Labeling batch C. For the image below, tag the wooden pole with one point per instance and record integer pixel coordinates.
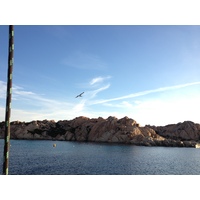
(8, 100)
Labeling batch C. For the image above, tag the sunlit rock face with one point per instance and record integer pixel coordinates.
(110, 130)
(181, 131)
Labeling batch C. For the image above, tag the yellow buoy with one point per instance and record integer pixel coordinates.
(54, 145)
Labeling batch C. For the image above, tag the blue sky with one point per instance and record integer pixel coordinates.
(148, 73)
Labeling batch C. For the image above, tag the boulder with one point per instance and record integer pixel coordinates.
(182, 131)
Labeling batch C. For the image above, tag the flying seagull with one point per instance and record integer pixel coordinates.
(80, 95)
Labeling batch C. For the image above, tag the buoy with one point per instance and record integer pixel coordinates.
(54, 145)
(197, 145)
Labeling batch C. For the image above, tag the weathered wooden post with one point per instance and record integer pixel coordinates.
(8, 100)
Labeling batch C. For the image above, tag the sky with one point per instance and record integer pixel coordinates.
(148, 73)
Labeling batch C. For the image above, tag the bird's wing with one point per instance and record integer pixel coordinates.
(79, 95)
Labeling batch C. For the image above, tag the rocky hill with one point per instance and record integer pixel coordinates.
(111, 130)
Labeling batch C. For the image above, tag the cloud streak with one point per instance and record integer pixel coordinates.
(99, 79)
(27, 105)
(94, 83)
(143, 93)
(95, 92)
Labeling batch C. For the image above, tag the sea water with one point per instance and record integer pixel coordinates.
(85, 158)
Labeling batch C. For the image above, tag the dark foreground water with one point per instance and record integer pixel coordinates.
(40, 157)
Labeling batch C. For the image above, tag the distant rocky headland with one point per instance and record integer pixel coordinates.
(110, 130)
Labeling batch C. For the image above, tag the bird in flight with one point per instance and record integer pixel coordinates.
(80, 95)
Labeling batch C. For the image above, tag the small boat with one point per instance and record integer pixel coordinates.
(54, 145)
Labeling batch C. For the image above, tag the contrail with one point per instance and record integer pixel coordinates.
(147, 92)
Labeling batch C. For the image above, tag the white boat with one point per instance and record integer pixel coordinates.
(197, 145)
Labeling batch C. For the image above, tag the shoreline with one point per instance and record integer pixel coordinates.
(110, 130)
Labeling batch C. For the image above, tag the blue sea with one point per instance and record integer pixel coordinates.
(39, 157)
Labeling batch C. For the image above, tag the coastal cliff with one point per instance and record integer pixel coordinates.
(111, 130)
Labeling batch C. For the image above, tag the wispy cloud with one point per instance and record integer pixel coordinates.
(80, 106)
(2, 90)
(96, 85)
(82, 60)
(99, 79)
(147, 92)
(33, 98)
(93, 93)
(27, 105)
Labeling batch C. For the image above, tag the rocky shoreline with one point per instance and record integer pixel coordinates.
(110, 130)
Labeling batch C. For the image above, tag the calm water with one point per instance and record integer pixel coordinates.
(39, 157)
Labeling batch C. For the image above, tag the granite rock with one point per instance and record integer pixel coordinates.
(111, 130)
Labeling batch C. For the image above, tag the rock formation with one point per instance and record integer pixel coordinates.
(111, 130)
(181, 131)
